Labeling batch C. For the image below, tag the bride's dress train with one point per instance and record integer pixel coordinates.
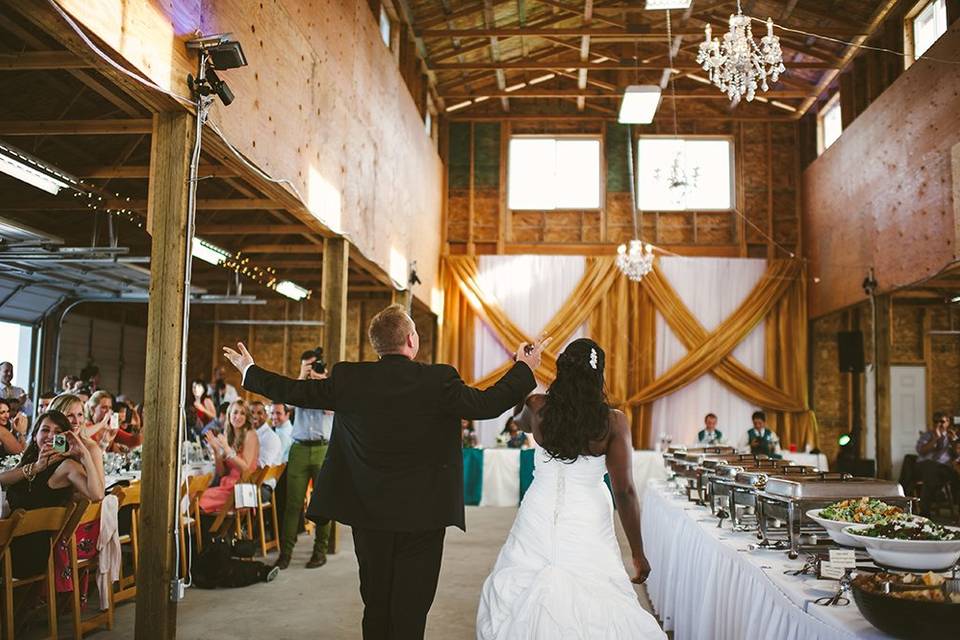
(560, 574)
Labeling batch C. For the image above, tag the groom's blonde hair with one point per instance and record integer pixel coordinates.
(389, 329)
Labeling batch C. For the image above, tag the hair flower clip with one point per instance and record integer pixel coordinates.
(593, 359)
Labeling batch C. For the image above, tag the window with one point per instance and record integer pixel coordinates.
(930, 24)
(428, 123)
(709, 159)
(384, 26)
(829, 123)
(554, 173)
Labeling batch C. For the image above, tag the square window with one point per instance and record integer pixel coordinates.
(830, 123)
(706, 162)
(928, 26)
(554, 173)
(384, 26)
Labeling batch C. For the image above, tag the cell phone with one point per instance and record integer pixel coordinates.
(60, 443)
(115, 422)
(528, 349)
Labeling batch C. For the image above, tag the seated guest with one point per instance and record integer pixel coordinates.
(8, 391)
(761, 440)
(235, 453)
(934, 468)
(72, 407)
(710, 435)
(258, 414)
(90, 377)
(518, 438)
(45, 478)
(221, 391)
(69, 384)
(45, 399)
(98, 412)
(271, 453)
(280, 419)
(128, 436)
(12, 437)
(203, 406)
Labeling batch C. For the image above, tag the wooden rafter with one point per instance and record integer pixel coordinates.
(41, 61)
(584, 52)
(75, 127)
(529, 65)
(593, 32)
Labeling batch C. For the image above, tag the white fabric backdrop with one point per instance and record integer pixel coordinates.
(712, 289)
(530, 289)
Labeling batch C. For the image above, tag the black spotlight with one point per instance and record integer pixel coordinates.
(217, 53)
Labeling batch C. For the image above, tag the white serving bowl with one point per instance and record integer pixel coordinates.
(917, 555)
(835, 529)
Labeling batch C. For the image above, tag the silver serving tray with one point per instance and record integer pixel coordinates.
(830, 486)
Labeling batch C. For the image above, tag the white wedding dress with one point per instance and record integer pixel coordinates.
(560, 574)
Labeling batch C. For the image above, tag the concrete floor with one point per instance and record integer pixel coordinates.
(325, 603)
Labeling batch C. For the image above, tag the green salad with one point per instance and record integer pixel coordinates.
(911, 530)
(862, 511)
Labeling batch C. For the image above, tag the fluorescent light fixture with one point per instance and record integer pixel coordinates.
(543, 78)
(519, 85)
(655, 5)
(26, 168)
(459, 105)
(955, 299)
(640, 103)
(481, 99)
(291, 290)
(209, 252)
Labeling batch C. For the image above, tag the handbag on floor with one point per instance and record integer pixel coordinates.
(216, 567)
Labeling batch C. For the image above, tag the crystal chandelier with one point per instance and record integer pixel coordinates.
(634, 258)
(738, 66)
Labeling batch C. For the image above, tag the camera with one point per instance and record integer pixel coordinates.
(60, 443)
(319, 365)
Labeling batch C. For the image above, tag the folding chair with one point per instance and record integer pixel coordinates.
(103, 618)
(266, 474)
(129, 498)
(191, 490)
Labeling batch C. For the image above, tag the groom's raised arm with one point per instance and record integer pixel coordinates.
(473, 404)
(309, 394)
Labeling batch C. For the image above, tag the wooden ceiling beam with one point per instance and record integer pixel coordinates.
(143, 171)
(576, 11)
(576, 93)
(121, 126)
(135, 204)
(594, 32)
(584, 53)
(227, 229)
(42, 61)
(580, 117)
(593, 66)
(283, 248)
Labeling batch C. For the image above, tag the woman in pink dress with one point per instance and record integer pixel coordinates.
(235, 454)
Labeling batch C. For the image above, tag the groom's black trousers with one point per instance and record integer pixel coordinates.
(398, 580)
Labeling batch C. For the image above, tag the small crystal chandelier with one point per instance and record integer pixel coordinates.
(738, 66)
(634, 258)
(678, 180)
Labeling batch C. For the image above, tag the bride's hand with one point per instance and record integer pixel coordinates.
(642, 567)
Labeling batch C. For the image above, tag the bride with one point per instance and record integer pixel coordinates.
(560, 573)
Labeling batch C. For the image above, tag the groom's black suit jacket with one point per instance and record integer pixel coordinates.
(394, 462)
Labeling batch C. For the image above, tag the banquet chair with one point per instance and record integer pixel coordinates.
(7, 527)
(56, 521)
(229, 517)
(105, 617)
(266, 474)
(189, 518)
(129, 498)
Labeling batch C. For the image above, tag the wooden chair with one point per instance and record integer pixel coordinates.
(129, 498)
(229, 517)
(7, 527)
(189, 519)
(56, 521)
(103, 618)
(266, 474)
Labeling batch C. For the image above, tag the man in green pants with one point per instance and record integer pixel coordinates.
(311, 430)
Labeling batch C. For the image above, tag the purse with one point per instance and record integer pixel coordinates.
(244, 495)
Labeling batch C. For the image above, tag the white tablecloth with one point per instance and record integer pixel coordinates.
(706, 584)
(817, 460)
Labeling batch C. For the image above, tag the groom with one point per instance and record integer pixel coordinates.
(394, 468)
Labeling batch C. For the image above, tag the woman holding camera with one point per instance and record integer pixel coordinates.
(55, 466)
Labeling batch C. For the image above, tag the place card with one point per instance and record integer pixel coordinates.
(830, 570)
(846, 558)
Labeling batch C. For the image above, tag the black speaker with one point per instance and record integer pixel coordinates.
(850, 345)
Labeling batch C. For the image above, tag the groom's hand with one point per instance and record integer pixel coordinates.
(530, 353)
(240, 359)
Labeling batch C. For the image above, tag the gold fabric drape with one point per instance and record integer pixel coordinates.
(597, 278)
(622, 318)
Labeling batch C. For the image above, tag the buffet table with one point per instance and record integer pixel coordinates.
(500, 477)
(817, 460)
(706, 584)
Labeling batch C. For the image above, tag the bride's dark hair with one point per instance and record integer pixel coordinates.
(575, 411)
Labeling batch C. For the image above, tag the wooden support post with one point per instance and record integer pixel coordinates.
(333, 303)
(156, 614)
(882, 335)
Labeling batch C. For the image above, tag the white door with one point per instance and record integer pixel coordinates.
(908, 411)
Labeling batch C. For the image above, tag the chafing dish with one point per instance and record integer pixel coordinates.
(743, 488)
(783, 501)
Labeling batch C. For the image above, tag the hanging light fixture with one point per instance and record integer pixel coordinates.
(634, 258)
(640, 101)
(738, 66)
(679, 181)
